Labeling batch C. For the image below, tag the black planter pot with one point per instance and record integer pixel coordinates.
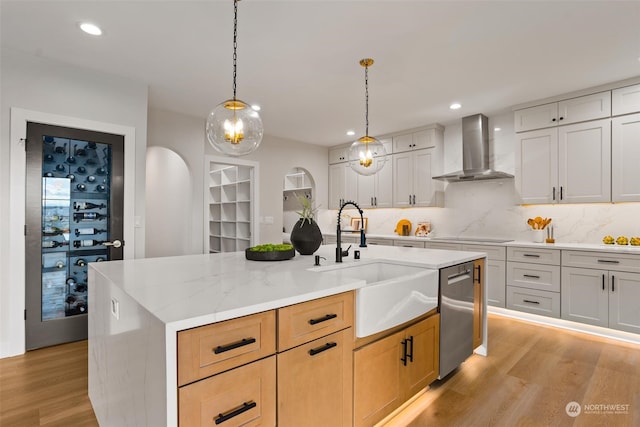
(306, 236)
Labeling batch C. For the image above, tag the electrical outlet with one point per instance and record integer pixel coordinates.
(115, 308)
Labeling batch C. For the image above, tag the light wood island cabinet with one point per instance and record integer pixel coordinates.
(393, 368)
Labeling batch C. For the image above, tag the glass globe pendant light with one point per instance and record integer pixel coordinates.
(233, 127)
(367, 155)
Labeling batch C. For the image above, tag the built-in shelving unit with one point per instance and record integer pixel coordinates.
(297, 181)
(230, 205)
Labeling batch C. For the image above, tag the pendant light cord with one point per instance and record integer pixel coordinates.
(235, 45)
(366, 97)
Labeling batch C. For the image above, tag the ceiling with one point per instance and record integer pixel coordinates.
(299, 59)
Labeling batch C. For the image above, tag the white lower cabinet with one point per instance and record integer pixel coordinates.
(601, 297)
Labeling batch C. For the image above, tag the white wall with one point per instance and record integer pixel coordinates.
(37, 84)
(185, 136)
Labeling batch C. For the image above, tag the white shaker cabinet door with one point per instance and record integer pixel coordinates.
(366, 190)
(403, 180)
(625, 162)
(584, 156)
(537, 166)
(384, 185)
(623, 301)
(423, 184)
(625, 100)
(541, 116)
(585, 296)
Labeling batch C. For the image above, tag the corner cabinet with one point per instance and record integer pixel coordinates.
(230, 204)
(569, 164)
(392, 369)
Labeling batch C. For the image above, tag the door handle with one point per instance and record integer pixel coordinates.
(116, 243)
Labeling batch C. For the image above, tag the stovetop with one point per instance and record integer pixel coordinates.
(473, 239)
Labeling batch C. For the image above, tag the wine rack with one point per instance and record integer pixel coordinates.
(229, 206)
(75, 221)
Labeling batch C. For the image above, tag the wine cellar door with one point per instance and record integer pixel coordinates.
(74, 216)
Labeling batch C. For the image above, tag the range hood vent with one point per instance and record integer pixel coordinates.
(475, 153)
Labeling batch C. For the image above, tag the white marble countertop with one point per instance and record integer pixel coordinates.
(195, 290)
(598, 247)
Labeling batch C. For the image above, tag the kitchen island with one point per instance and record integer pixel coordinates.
(137, 308)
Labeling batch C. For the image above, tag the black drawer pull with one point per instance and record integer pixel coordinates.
(244, 408)
(404, 352)
(410, 353)
(322, 319)
(222, 348)
(531, 302)
(325, 347)
(608, 261)
(531, 255)
(531, 276)
(613, 283)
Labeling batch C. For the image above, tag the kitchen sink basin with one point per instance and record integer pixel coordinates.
(394, 294)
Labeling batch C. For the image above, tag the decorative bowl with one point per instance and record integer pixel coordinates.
(270, 255)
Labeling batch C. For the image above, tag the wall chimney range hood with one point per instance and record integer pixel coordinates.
(475, 153)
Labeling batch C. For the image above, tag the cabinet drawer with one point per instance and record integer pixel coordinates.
(442, 245)
(534, 255)
(601, 260)
(379, 241)
(533, 301)
(494, 253)
(534, 276)
(408, 243)
(315, 382)
(218, 347)
(244, 396)
(307, 321)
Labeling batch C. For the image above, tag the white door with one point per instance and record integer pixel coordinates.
(537, 166)
(623, 301)
(585, 296)
(625, 151)
(584, 157)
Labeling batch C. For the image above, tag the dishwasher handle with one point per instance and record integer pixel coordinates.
(458, 277)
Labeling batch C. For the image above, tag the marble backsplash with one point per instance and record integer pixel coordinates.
(490, 209)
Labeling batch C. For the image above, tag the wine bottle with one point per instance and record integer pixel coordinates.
(59, 264)
(91, 178)
(80, 262)
(81, 187)
(71, 177)
(48, 158)
(86, 243)
(89, 231)
(100, 259)
(82, 169)
(61, 149)
(101, 188)
(60, 167)
(90, 216)
(101, 171)
(48, 174)
(54, 231)
(53, 244)
(53, 218)
(87, 205)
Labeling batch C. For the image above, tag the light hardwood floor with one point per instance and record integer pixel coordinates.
(531, 374)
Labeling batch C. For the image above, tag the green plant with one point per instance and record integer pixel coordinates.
(308, 211)
(270, 247)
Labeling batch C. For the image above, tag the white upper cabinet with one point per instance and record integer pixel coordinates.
(338, 155)
(574, 110)
(584, 162)
(376, 191)
(415, 141)
(625, 100)
(625, 152)
(569, 164)
(412, 182)
(343, 184)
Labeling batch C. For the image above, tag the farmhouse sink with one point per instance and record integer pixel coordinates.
(394, 294)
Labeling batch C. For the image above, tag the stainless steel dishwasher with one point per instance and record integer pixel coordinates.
(456, 316)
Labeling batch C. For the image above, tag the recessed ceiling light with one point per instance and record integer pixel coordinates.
(255, 107)
(351, 133)
(89, 28)
(497, 129)
(455, 106)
